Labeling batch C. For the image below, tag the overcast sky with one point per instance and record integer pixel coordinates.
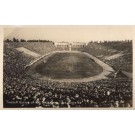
(69, 33)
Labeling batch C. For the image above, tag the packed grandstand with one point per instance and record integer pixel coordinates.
(21, 90)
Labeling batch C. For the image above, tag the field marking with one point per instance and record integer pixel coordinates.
(28, 52)
(106, 69)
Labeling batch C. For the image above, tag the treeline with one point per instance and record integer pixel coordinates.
(118, 41)
(23, 40)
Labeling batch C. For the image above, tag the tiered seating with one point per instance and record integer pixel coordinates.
(106, 49)
(20, 90)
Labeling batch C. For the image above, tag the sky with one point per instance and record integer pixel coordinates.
(69, 33)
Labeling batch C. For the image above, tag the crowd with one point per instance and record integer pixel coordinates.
(20, 90)
(123, 63)
(37, 47)
(106, 49)
(107, 93)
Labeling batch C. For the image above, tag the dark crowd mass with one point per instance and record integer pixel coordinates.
(20, 90)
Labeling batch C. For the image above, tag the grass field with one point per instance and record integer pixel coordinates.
(67, 65)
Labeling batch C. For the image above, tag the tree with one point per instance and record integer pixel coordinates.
(15, 40)
(8, 40)
(22, 40)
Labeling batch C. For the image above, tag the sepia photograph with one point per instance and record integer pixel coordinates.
(68, 67)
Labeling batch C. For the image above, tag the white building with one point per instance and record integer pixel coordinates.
(72, 45)
(78, 44)
(62, 44)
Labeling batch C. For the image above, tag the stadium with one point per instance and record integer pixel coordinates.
(67, 75)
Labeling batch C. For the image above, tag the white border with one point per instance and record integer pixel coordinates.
(96, 12)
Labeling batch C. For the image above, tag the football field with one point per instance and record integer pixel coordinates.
(69, 66)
